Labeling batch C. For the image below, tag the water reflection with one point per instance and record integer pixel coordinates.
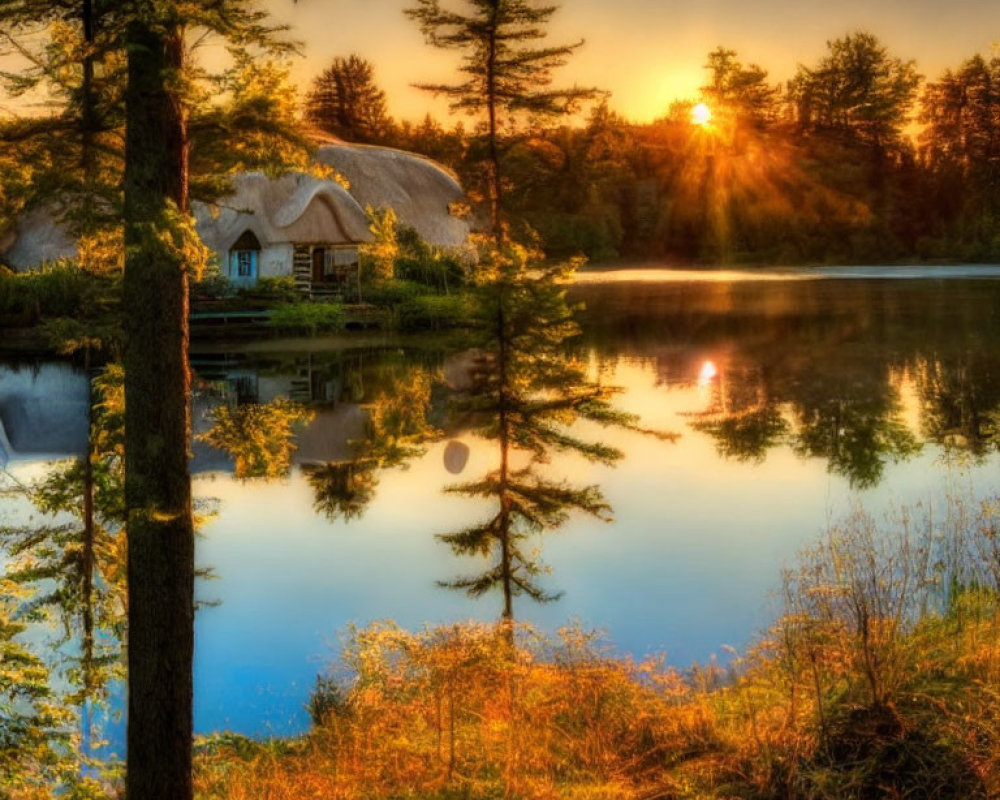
(857, 373)
(525, 393)
(788, 395)
(64, 571)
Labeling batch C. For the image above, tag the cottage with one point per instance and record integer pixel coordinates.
(295, 225)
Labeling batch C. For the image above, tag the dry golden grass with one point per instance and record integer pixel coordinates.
(880, 680)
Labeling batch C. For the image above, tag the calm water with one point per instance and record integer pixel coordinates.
(793, 397)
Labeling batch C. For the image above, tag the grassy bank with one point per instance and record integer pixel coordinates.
(879, 680)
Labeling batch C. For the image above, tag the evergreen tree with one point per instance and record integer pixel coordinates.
(69, 160)
(961, 146)
(528, 393)
(160, 527)
(506, 73)
(346, 101)
(66, 156)
(743, 90)
(857, 89)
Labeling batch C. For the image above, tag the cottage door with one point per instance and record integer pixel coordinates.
(318, 260)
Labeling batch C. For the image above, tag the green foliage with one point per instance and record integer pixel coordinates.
(435, 312)
(345, 101)
(259, 436)
(69, 160)
(33, 727)
(437, 268)
(310, 318)
(272, 290)
(397, 253)
(527, 391)
(378, 257)
(393, 293)
(57, 290)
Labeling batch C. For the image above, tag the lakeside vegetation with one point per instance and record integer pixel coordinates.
(877, 680)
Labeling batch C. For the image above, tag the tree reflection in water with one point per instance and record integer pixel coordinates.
(396, 428)
(860, 374)
(526, 392)
(65, 579)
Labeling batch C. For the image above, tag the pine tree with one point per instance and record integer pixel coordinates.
(857, 89)
(528, 393)
(742, 90)
(507, 73)
(69, 159)
(346, 101)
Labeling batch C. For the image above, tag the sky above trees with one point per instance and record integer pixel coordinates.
(647, 52)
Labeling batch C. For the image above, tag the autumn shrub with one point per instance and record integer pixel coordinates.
(879, 679)
(460, 711)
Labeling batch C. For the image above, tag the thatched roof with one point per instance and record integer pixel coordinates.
(43, 413)
(292, 208)
(419, 190)
(37, 239)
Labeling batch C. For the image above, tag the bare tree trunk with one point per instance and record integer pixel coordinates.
(495, 180)
(507, 617)
(157, 420)
(88, 557)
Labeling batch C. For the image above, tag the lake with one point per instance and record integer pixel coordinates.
(795, 394)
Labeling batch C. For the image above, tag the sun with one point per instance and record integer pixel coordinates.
(701, 115)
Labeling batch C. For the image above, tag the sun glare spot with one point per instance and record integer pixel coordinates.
(701, 114)
(708, 371)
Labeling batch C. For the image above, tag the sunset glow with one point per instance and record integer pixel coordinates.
(701, 114)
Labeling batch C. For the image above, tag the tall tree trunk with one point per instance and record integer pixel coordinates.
(88, 561)
(507, 617)
(157, 419)
(495, 179)
(88, 114)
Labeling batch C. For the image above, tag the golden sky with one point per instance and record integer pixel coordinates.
(647, 52)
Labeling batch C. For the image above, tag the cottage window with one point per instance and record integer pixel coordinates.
(244, 263)
(243, 258)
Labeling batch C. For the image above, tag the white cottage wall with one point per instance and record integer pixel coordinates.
(276, 260)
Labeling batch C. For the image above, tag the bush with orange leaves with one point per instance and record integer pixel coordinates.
(475, 711)
(878, 680)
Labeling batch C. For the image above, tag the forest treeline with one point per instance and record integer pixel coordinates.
(857, 158)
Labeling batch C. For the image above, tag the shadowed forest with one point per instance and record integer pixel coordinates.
(858, 159)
